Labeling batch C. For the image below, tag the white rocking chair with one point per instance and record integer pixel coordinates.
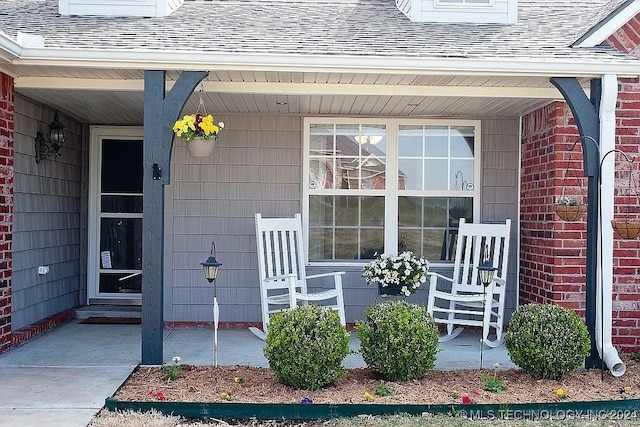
(281, 265)
(465, 301)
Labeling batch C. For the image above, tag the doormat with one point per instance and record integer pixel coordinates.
(111, 321)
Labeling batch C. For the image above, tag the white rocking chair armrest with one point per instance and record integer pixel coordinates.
(334, 273)
(433, 275)
(279, 278)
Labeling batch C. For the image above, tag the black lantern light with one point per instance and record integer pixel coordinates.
(49, 148)
(211, 265)
(487, 271)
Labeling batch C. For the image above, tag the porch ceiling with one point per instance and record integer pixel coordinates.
(115, 97)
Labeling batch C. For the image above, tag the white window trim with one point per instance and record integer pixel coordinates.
(390, 233)
(97, 134)
(439, 4)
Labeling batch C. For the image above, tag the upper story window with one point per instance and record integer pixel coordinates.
(386, 186)
(460, 11)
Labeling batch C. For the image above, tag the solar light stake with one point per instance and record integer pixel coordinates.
(210, 268)
(487, 271)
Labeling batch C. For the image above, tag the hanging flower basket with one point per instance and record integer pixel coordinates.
(199, 131)
(626, 228)
(199, 147)
(570, 213)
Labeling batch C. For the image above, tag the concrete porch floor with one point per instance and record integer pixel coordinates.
(62, 377)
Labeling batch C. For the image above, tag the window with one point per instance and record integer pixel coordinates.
(387, 186)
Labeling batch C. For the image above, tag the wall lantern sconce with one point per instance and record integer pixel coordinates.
(49, 148)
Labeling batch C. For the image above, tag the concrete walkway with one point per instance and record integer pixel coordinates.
(62, 377)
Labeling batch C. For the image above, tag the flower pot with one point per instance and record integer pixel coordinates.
(392, 290)
(626, 228)
(201, 147)
(570, 212)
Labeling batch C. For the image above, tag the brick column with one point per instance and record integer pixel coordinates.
(626, 253)
(552, 267)
(553, 252)
(6, 205)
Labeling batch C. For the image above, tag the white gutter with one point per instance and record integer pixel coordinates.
(181, 60)
(604, 279)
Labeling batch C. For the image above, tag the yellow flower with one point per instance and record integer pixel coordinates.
(560, 392)
(224, 395)
(238, 380)
(368, 396)
(193, 126)
(455, 393)
(627, 388)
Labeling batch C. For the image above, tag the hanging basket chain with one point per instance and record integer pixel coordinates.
(627, 227)
(201, 108)
(568, 208)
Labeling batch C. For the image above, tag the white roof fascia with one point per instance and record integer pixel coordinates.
(181, 60)
(610, 26)
(9, 47)
(275, 88)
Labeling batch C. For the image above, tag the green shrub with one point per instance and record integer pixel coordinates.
(547, 341)
(305, 347)
(398, 339)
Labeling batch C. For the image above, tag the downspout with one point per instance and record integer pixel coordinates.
(604, 295)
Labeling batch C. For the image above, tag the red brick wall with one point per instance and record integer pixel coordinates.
(626, 253)
(627, 38)
(6, 206)
(553, 251)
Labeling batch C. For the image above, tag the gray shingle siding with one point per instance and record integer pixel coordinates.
(221, 207)
(47, 221)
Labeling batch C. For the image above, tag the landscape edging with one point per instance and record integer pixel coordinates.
(611, 409)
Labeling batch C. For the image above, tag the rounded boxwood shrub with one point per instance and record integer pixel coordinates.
(305, 347)
(547, 341)
(398, 339)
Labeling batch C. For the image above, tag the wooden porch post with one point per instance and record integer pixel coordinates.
(587, 115)
(160, 113)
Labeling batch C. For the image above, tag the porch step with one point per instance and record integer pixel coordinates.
(99, 310)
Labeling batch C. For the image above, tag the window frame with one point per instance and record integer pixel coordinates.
(390, 192)
(463, 3)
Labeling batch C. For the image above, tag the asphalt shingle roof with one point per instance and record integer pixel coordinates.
(544, 31)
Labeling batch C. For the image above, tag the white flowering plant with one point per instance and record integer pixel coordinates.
(405, 270)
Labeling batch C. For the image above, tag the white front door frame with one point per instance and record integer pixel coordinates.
(97, 135)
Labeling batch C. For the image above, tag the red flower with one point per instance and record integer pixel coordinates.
(160, 395)
(466, 400)
(151, 393)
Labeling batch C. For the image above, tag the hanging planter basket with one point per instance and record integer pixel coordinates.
(569, 206)
(626, 228)
(201, 147)
(570, 213)
(626, 221)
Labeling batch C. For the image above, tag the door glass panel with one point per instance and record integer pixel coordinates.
(121, 283)
(122, 239)
(121, 203)
(121, 166)
(120, 258)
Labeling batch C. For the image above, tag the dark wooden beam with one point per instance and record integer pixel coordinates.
(586, 112)
(160, 113)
